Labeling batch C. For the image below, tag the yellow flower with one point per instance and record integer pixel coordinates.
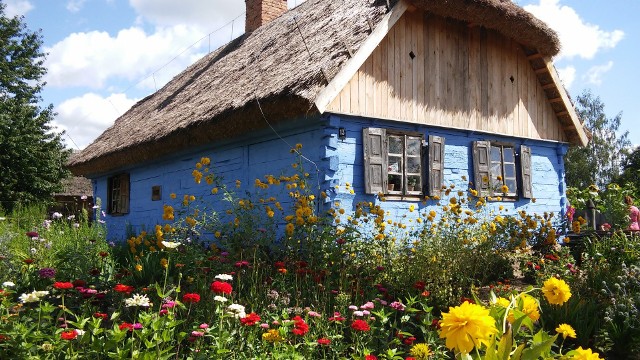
(272, 335)
(420, 351)
(467, 326)
(289, 229)
(164, 263)
(138, 267)
(205, 161)
(556, 291)
(411, 208)
(566, 331)
(584, 354)
(173, 195)
(504, 189)
(530, 307)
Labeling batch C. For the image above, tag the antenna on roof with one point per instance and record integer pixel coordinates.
(304, 41)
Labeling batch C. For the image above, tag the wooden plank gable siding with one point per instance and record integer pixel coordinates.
(435, 71)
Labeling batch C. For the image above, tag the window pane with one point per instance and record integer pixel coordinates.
(413, 165)
(395, 183)
(414, 146)
(395, 164)
(495, 154)
(414, 182)
(510, 171)
(509, 155)
(496, 170)
(395, 145)
(511, 183)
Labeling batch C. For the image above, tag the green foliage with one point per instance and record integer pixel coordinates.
(608, 202)
(32, 154)
(631, 172)
(599, 162)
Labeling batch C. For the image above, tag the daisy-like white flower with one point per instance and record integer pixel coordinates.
(8, 284)
(170, 244)
(33, 296)
(236, 310)
(219, 298)
(137, 300)
(224, 277)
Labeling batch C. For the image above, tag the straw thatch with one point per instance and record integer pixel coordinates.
(283, 65)
(76, 186)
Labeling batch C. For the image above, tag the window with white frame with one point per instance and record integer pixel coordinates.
(496, 169)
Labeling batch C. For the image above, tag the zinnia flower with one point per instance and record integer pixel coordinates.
(324, 341)
(137, 300)
(420, 351)
(191, 298)
(566, 331)
(221, 287)
(250, 320)
(127, 289)
(467, 326)
(370, 357)
(224, 277)
(62, 285)
(272, 335)
(556, 291)
(33, 296)
(300, 327)
(236, 310)
(69, 335)
(584, 354)
(47, 273)
(360, 325)
(170, 244)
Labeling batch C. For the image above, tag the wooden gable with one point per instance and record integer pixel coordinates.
(443, 72)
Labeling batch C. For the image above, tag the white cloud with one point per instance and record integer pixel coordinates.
(93, 58)
(567, 75)
(75, 5)
(17, 7)
(595, 73)
(578, 37)
(208, 15)
(84, 118)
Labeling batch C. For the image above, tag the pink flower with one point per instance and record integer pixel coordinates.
(196, 333)
(204, 326)
(368, 306)
(397, 306)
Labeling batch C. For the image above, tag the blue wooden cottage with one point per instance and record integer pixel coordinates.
(395, 98)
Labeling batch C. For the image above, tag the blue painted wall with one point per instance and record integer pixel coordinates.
(332, 164)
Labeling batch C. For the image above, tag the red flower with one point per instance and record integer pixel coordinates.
(124, 288)
(337, 317)
(324, 341)
(103, 254)
(409, 358)
(242, 263)
(299, 326)
(278, 264)
(79, 283)
(221, 287)
(370, 357)
(126, 326)
(28, 261)
(409, 340)
(419, 285)
(282, 271)
(250, 320)
(69, 335)
(62, 285)
(360, 325)
(32, 234)
(191, 298)
(102, 316)
(551, 257)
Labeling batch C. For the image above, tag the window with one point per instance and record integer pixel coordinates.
(495, 169)
(394, 162)
(118, 194)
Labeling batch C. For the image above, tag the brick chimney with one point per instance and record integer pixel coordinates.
(260, 12)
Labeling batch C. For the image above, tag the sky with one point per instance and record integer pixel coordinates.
(105, 55)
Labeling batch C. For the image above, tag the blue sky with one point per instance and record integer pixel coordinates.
(105, 55)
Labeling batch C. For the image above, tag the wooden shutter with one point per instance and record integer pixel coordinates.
(375, 160)
(436, 164)
(482, 167)
(124, 193)
(525, 167)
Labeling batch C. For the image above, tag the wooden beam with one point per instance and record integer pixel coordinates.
(548, 86)
(556, 100)
(562, 113)
(582, 138)
(348, 70)
(542, 70)
(534, 56)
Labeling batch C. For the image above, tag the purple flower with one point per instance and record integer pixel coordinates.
(47, 273)
(137, 326)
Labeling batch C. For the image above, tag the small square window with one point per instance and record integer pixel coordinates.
(156, 193)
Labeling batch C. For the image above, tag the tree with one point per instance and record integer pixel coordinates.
(600, 161)
(631, 171)
(32, 154)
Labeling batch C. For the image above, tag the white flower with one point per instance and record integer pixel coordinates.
(34, 250)
(71, 217)
(219, 298)
(83, 197)
(56, 215)
(33, 296)
(8, 284)
(358, 313)
(224, 277)
(80, 332)
(137, 300)
(170, 244)
(3, 218)
(236, 310)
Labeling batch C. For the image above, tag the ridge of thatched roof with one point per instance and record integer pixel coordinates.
(284, 65)
(76, 186)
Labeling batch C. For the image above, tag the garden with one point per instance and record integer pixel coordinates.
(270, 280)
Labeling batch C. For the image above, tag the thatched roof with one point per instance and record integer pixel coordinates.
(76, 186)
(283, 64)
